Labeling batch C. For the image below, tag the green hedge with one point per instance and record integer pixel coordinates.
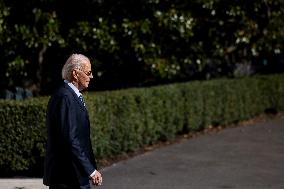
(22, 133)
(127, 119)
(122, 121)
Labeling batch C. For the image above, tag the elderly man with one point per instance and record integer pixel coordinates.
(69, 160)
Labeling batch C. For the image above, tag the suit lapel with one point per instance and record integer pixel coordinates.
(75, 96)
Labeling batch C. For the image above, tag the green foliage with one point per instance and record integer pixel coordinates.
(26, 35)
(138, 43)
(22, 133)
(125, 120)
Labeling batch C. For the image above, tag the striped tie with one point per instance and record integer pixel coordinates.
(82, 100)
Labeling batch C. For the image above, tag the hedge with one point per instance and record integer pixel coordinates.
(124, 120)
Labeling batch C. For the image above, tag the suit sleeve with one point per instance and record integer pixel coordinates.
(70, 133)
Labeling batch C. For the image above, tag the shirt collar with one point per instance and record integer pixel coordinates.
(73, 88)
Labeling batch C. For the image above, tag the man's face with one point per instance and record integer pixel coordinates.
(84, 76)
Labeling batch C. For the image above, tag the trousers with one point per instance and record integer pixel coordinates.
(62, 186)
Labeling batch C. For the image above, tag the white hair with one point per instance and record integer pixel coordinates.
(75, 61)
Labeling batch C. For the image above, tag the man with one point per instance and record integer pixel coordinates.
(69, 161)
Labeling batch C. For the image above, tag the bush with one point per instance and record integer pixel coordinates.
(124, 120)
(22, 133)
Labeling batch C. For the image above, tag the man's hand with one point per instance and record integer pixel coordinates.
(97, 179)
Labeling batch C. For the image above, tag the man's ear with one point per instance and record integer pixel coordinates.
(75, 75)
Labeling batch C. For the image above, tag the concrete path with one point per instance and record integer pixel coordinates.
(245, 157)
(33, 183)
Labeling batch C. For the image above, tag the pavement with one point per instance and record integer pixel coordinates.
(244, 157)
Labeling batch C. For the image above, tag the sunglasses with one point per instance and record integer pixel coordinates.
(89, 73)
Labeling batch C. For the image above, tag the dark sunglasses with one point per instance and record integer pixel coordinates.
(89, 73)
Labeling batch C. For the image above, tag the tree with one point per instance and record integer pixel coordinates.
(138, 43)
(27, 34)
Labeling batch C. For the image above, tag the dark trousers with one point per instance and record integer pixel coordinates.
(70, 187)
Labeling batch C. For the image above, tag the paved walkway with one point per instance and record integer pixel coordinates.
(246, 157)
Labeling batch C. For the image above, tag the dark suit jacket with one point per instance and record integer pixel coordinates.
(69, 156)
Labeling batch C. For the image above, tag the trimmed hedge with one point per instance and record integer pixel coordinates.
(22, 133)
(122, 121)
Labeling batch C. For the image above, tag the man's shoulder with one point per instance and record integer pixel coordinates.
(62, 91)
